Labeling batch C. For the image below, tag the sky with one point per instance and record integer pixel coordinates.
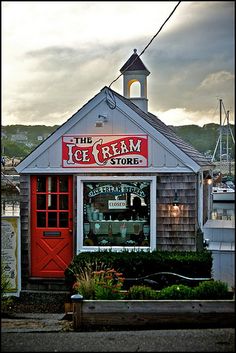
(57, 55)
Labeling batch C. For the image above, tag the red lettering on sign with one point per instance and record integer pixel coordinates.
(104, 151)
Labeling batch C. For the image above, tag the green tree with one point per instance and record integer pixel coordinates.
(15, 149)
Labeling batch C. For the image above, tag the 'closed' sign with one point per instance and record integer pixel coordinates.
(116, 204)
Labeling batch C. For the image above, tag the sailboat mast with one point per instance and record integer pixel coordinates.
(220, 135)
(223, 130)
(228, 154)
(227, 138)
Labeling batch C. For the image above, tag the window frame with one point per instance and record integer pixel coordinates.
(56, 194)
(80, 191)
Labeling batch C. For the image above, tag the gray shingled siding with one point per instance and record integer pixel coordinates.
(25, 226)
(176, 233)
(173, 233)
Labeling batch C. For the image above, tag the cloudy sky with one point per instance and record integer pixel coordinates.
(56, 55)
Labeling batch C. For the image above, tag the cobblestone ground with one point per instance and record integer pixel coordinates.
(36, 323)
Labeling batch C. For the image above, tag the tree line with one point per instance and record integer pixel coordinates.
(204, 138)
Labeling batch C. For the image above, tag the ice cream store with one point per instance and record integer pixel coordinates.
(113, 176)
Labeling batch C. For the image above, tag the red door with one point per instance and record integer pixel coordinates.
(51, 225)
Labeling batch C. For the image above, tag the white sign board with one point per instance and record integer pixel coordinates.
(10, 252)
(116, 204)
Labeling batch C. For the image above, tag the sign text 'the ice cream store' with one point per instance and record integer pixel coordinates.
(92, 151)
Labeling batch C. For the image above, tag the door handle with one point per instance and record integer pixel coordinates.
(70, 230)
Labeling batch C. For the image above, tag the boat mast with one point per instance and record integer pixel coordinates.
(223, 130)
(219, 138)
(220, 135)
(229, 131)
(227, 143)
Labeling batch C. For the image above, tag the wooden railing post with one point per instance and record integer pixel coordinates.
(77, 301)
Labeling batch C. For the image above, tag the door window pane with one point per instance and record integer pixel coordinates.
(41, 202)
(41, 219)
(52, 219)
(63, 202)
(41, 184)
(52, 184)
(52, 202)
(63, 183)
(63, 219)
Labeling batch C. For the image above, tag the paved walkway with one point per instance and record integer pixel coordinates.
(53, 333)
(27, 322)
(197, 340)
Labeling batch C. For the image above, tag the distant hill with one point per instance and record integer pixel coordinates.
(20, 140)
(204, 138)
(32, 131)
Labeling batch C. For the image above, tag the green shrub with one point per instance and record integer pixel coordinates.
(5, 282)
(5, 287)
(107, 293)
(82, 264)
(141, 293)
(85, 287)
(84, 279)
(176, 291)
(205, 290)
(99, 284)
(138, 264)
(211, 290)
(108, 284)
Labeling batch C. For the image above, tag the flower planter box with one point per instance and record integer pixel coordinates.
(152, 313)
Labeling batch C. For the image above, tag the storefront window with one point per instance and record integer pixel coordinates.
(116, 213)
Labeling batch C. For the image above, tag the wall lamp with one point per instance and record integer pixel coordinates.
(208, 179)
(176, 200)
(175, 206)
(101, 120)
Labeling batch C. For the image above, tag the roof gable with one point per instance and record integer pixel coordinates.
(121, 109)
(61, 130)
(154, 121)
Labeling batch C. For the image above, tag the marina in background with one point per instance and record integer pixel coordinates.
(223, 189)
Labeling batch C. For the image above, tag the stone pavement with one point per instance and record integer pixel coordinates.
(36, 322)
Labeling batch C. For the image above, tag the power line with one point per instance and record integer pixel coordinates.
(147, 44)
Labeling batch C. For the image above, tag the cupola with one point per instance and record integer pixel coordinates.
(135, 71)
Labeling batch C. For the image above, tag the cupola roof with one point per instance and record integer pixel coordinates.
(134, 63)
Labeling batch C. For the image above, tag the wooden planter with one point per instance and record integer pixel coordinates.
(152, 313)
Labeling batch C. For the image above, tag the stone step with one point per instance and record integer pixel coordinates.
(32, 301)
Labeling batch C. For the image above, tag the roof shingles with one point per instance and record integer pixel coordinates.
(134, 63)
